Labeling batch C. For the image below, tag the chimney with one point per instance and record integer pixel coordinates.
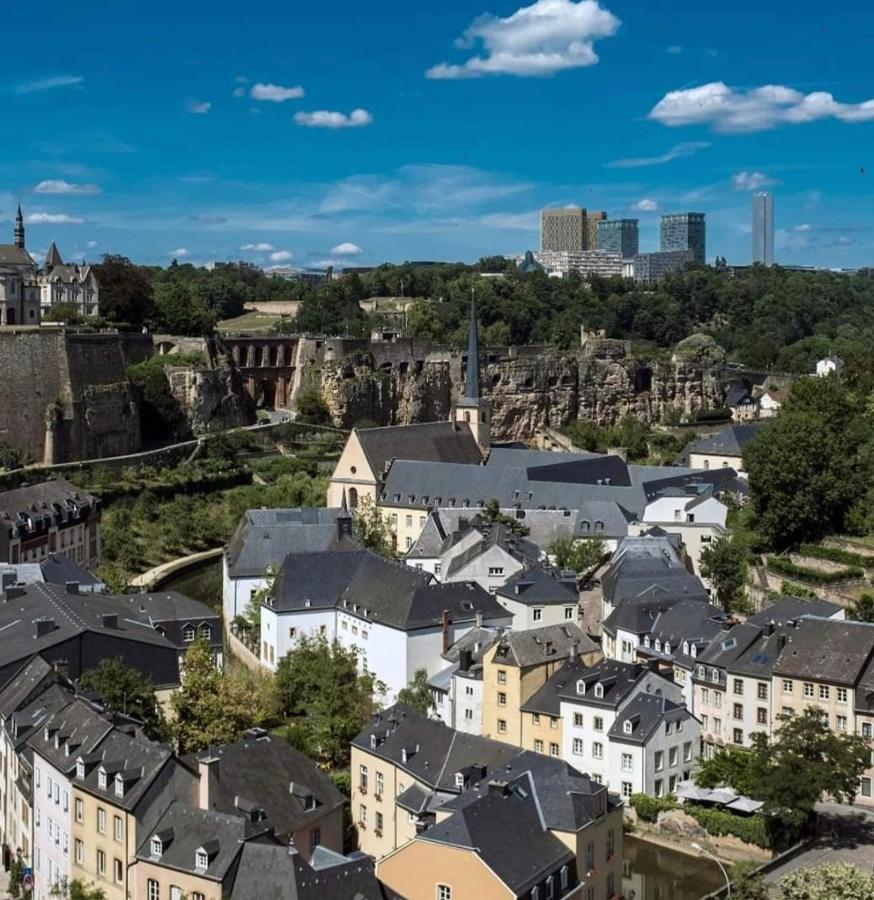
(208, 769)
(42, 627)
(71, 587)
(479, 618)
(575, 650)
(465, 661)
(110, 620)
(7, 579)
(445, 621)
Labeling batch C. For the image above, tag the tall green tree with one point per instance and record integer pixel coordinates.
(125, 290)
(827, 881)
(580, 556)
(126, 690)
(418, 693)
(78, 890)
(371, 528)
(862, 608)
(724, 564)
(320, 689)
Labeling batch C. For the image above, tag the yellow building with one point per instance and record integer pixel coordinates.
(516, 667)
(541, 712)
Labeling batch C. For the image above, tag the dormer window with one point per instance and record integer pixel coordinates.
(459, 779)
(80, 768)
(694, 650)
(626, 726)
(205, 631)
(157, 847)
(188, 633)
(373, 742)
(581, 687)
(599, 690)
(701, 671)
(658, 646)
(46, 734)
(201, 859)
(686, 648)
(119, 785)
(667, 647)
(101, 778)
(647, 642)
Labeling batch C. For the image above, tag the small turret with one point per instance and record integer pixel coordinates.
(471, 407)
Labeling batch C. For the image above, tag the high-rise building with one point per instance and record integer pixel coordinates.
(569, 230)
(684, 231)
(618, 236)
(763, 229)
(651, 267)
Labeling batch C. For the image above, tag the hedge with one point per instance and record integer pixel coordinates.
(787, 567)
(836, 555)
(749, 829)
(648, 808)
(790, 589)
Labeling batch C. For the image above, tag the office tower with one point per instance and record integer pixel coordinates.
(618, 236)
(562, 230)
(763, 229)
(684, 231)
(590, 235)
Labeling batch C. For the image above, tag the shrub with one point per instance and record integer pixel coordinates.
(836, 555)
(648, 808)
(787, 567)
(750, 829)
(790, 589)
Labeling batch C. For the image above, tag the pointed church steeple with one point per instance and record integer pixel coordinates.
(53, 256)
(19, 229)
(471, 407)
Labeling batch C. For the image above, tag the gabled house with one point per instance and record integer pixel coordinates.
(541, 595)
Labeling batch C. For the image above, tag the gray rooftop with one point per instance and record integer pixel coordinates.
(646, 713)
(536, 646)
(728, 442)
(827, 650)
(541, 585)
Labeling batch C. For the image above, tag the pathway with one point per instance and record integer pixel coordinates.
(152, 576)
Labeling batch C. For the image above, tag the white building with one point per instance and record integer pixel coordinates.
(397, 619)
(540, 596)
(68, 284)
(829, 365)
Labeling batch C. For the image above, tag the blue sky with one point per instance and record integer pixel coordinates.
(391, 131)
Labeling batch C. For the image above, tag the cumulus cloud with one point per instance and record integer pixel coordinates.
(198, 107)
(804, 227)
(48, 84)
(547, 37)
(323, 118)
(679, 151)
(646, 205)
(281, 256)
(43, 218)
(275, 93)
(257, 248)
(58, 186)
(347, 248)
(728, 109)
(92, 244)
(750, 181)
(179, 252)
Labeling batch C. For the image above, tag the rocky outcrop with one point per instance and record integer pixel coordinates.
(210, 399)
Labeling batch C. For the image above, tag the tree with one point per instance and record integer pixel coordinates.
(125, 290)
(580, 556)
(64, 312)
(418, 693)
(208, 708)
(791, 772)
(724, 564)
(493, 514)
(126, 690)
(16, 876)
(311, 407)
(319, 687)
(829, 881)
(371, 528)
(78, 890)
(862, 608)
(747, 883)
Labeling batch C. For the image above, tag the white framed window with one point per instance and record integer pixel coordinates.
(101, 820)
(153, 890)
(156, 848)
(627, 790)
(568, 612)
(578, 720)
(597, 750)
(118, 827)
(201, 859)
(578, 746)
(444, 892)
(537, 614)
(627, 762)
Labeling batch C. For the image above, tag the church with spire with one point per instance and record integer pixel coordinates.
(28, 293)
(472, 408)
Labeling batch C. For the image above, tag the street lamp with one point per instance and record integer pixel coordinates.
(715, 859)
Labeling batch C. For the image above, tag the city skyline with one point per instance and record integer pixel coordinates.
(437, 133)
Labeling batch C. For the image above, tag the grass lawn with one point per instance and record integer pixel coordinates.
(250, 321)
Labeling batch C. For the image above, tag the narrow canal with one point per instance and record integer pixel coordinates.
(200, 581)
(652, 872)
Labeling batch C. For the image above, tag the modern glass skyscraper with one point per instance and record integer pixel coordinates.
(684, 231)
(763, 229)
(619, 236)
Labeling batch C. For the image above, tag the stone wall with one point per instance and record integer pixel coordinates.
(211, 399)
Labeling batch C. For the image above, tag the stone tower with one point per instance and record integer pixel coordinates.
(471, 407)
(19, 229)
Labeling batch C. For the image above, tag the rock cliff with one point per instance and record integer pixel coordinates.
(210, 399)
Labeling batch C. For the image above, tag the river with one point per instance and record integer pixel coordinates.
(200, 581)
(653, 872)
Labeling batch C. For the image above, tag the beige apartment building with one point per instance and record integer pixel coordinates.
(518, 665)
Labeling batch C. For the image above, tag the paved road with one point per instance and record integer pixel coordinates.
(847, 834)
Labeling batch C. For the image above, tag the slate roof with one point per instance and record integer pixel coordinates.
(504, 828)
(268, 773)
(79, 727)
(377, 589)
(541, 586)
(646, 713)
(617, 679)
(523, 458)
(728, 442)
(827, 650)
(447, 442)
(785, 609)
(12, 255)
(546, 699)
(264, 537)
(540, 645)
(185, 829)
(270, 872)
(730, 646)
(491, 535)
(33, 713)
(29, 677)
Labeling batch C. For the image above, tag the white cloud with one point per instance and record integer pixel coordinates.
(198, 107)
(179, 252)
(727, 109)
(675, 50)
(678, 151)
(281, 256)
(323, 118)
(239, 92)
(750, 181)
(92, 244)
(275, 93)
(42, 218)
(47, 84)
(347, 248)
(646, 205)
(542, 39)
(257, 248)
(802, 228)
(65, 187)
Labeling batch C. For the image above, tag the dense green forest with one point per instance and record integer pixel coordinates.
(763, 318)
